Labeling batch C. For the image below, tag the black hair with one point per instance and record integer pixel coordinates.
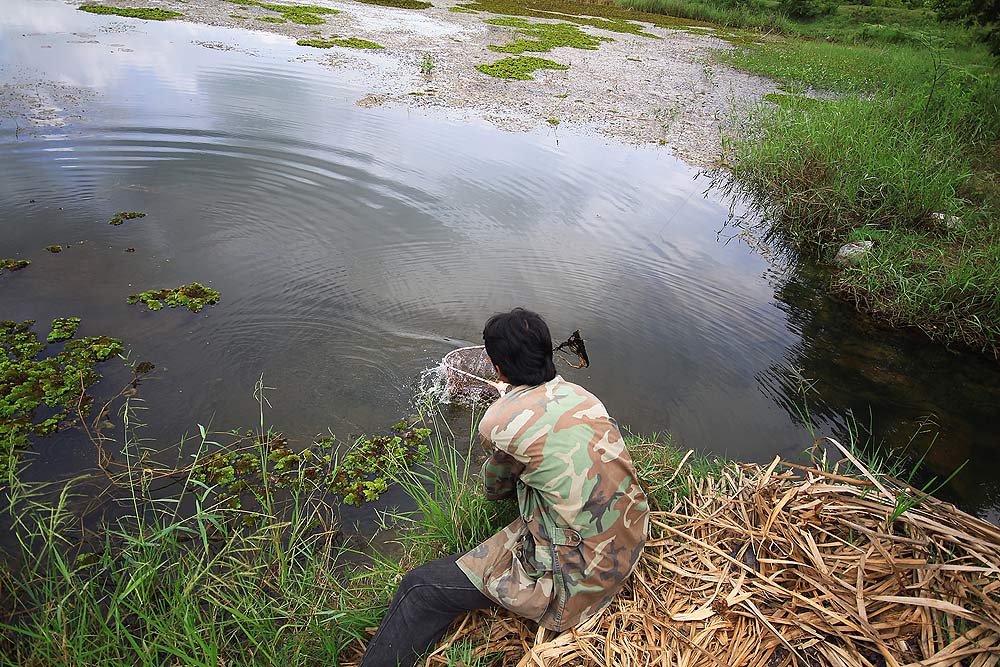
(519, 343)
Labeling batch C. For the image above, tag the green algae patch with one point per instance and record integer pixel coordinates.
(301, 14)
(543, 37)
(462, 10)
(350, 42)
(519, 68)
(552, 121)
(606, 17)
(39, 390)
(148, 13)
(125, 215)
(13, 264)
(270, 19)
(194, 297)
(63, 328)
(54, 248)
(398, 4)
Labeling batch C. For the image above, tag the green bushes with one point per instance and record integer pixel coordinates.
(807, 9)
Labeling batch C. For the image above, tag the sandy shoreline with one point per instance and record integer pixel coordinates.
(635, 89)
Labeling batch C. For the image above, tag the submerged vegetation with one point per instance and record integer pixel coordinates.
(350, 42)
(519, 68)
(13, 264)
(194, 297)
(39, 390)
(122, 216)
(148, 13)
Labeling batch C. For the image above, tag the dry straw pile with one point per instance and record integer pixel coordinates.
(782, 565)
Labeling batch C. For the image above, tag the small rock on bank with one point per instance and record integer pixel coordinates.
(850, 254)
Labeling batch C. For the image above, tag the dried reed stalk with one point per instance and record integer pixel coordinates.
(773, 566)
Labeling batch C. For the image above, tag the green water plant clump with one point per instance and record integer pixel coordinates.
(544, 37)
(399, 4)
(38, 390)
(122, 216)
(13, 264)
(349, 42)
(519, 67)
(54, 248)
(462, 10)
(194, 297)
(301, 14)
(149, 13)
(63, 328)
(242, 472)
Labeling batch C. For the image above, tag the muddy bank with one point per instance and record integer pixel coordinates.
(661, 89)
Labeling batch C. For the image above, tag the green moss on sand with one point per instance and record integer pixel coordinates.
(301, 14)
(518, 68)
(544, 36)
(270, 19)
(33, 379)
(63, 328)
(350, 42)
(462, 10)
(13, 264)
(125, 215)
(148, 13)
(194, 297)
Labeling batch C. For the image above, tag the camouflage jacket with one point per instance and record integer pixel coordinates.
(583, 516)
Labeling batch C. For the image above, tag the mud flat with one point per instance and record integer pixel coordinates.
(660, 87)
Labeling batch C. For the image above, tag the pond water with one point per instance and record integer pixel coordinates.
(354, 247)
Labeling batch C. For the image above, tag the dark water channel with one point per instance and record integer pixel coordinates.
(354, 246)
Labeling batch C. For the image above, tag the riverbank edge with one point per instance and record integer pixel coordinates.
(208, 587)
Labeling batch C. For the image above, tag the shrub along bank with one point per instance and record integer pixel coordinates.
(903, 154)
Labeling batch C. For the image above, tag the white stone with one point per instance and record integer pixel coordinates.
(851, 253)
(949, 221)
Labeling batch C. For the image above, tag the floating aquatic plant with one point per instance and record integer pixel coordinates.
(54, 248)
(247, 469)
(38, 390)
(63, 328)
(148, 13)
(349, 42)
(194, 297)
(399, 4)
(125, 215)
(518, 68)
(13, 264)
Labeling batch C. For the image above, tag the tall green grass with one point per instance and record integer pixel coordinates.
(175, 579)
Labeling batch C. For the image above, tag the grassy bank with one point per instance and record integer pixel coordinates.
(172, 571)
(179, 567)
(901, 151)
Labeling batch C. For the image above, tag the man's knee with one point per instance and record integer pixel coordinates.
(416, 578)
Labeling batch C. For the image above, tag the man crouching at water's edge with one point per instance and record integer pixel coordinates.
(583, 518)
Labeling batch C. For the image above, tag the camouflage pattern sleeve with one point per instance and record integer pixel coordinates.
(500, 475)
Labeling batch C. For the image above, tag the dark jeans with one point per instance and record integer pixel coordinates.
(428, 599)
